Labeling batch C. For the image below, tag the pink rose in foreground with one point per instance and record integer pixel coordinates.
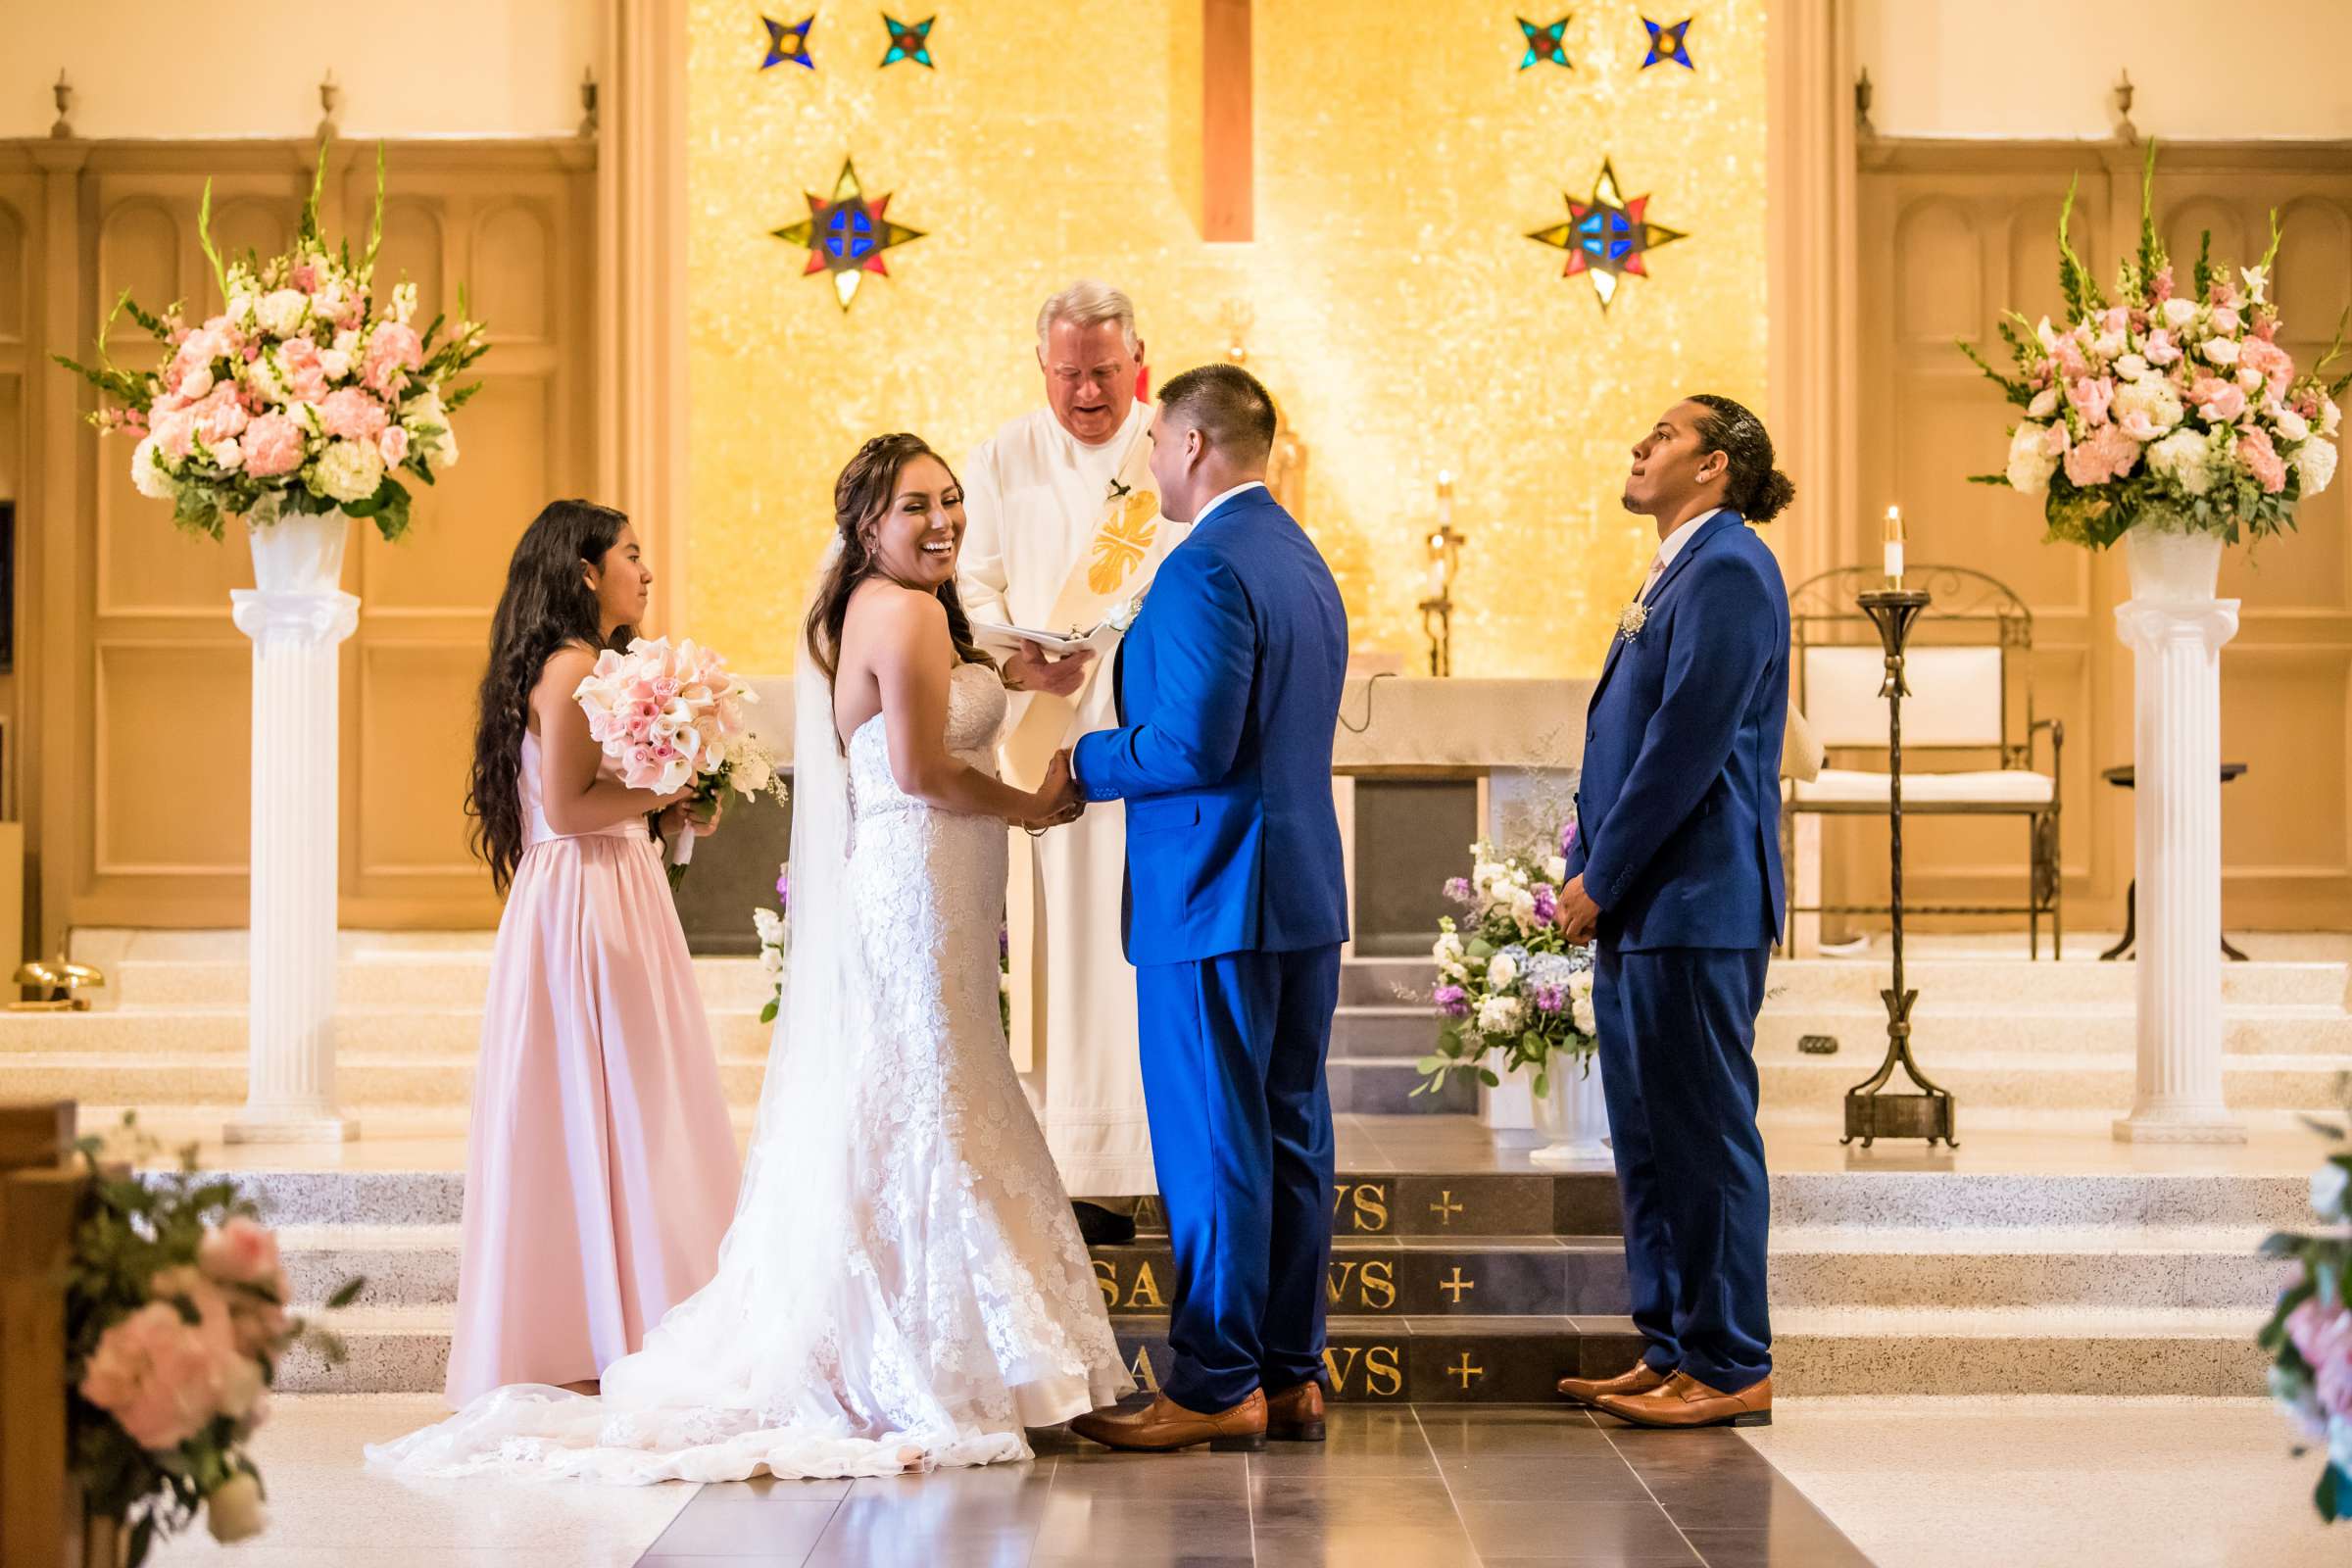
(175, 433)
(2254, 449)
(353, 414)
(2106, 454)
(2223, 400)
(392, 352)
(2090, 397)
(2117, 318)
(2160, 349)
(2275, 364)
(222, 415)
(156, 1376)
(2224, 321)
(244, 1252)
(273, 445)
(2322, 1334)
(394, 444)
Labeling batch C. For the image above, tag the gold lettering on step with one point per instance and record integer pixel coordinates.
(1457, 1285)
(1107, 1280)
(1335, 1280)
(1378, 1286)
(1465, 1371)
(1147, 1289)
(1384, 1372)
(1145, 1378)
(1341, 1369)
(1364, 1204)
(1446, 1208)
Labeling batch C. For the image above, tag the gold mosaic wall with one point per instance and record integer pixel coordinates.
(1397, 310)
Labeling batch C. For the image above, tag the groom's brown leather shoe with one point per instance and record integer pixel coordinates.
(1295, 1416)
(1684, 1402)
(1166, 1426)
(1643, 1379)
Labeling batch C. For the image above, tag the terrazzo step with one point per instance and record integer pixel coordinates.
(1996, 984)
(387, 980)
(1384, 1086)
(2011, 1350)
(1886, 1202)
(221, 1032)
(1402, 1031)
(2216, 1269)
(2062, 1033)
(2024, 1079)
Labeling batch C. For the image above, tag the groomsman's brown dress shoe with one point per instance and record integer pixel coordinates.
(1295, 1416)
(1166, 1426)
(1684, 1402)
(1590, 1391)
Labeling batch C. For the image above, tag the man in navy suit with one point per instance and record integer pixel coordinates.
(1228, 687)
(1677, 869)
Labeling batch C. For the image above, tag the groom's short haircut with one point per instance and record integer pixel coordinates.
(1226, 404)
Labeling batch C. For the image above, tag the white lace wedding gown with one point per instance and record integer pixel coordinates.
(903, 1285)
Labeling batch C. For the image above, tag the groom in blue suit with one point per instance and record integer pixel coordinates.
(1676, 871)
(1228, 688)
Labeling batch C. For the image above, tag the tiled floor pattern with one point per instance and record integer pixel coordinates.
(1397, 1488)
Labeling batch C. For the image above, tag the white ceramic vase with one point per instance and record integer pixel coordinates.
(1571, 1116)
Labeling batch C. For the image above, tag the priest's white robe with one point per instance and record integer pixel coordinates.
(1034, 496)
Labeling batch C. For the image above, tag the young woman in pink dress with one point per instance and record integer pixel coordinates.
(601, 1169)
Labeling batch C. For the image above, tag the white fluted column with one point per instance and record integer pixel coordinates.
(2177, 758)
(297, 618)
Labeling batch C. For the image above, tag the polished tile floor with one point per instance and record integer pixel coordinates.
(1410, 1488)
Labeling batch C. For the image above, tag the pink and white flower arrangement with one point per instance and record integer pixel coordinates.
(669, 717)
(2165, 408)
(305, 393)
(1511, 991)
(2309, 1334)
(177, 1316)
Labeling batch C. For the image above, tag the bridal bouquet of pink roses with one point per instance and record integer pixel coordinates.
(308, 393)
(669, 717)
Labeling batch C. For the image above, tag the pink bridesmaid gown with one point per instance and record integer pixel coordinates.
(602, 1170)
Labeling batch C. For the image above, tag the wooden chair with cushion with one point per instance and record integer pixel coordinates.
(1965, 658)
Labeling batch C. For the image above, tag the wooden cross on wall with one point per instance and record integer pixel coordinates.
(1228, 204)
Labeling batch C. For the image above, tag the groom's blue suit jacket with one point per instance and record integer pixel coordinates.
(1228, 687)
(1678, 810)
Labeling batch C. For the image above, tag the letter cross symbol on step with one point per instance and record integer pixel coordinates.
(1465, 1371)
(1446, 1208)
(1457, 1285)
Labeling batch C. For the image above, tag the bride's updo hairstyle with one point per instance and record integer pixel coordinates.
(1754, 488)
(546, 603)
(861, 496)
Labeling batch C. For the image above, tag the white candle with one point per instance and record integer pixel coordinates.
(1894, 544)
(1445, 495)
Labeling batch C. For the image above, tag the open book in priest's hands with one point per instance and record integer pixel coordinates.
(1009, 639)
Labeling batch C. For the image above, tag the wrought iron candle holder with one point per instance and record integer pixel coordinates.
(1872, 1111)
(1445, 559)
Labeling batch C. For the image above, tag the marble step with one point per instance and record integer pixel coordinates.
(2061, 1032)
(1388, 1086)
(409, 1266)
(1985, 1077)
(1515, 1360)
(378, 979)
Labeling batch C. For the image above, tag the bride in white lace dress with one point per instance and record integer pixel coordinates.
(903, 1285)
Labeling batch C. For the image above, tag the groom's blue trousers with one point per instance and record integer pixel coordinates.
(1677, 1067)
(1233, 1051)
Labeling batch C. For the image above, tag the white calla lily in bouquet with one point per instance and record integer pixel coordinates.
(1513, 991)
(308, 393)
(669, 717)
(2162, 406)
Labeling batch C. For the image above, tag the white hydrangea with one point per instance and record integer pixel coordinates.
(2155, 398)
(147, 473)
(2030, 467)
(2315, 464)
(1499, 1016)
(2185, 458)
(280, 311)
(349, 470)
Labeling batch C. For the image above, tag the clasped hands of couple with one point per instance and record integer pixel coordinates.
(1032, 670)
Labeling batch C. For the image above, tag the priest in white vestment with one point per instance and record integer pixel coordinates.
(1063, 533)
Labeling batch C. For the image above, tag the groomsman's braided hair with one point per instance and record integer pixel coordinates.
(861, 496)
(1754, 488)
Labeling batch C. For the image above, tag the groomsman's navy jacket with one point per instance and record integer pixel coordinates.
(1678, 810)
(1228, 687)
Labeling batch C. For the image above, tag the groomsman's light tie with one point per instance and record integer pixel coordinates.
(1657, 565)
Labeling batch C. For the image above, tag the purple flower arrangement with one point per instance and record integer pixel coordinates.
(1511, 992)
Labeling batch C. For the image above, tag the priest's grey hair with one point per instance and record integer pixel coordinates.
(1086, 303)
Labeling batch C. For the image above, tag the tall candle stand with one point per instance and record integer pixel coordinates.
(1445, 559)
(1872, 1112)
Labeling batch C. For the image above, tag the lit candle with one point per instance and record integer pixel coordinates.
(1894, 545)
(1445, 495)
(1437, 566)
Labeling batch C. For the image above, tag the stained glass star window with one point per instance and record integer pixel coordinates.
(909, 42)
(847, 234)
(1667, 41)
(788, 41)
(1545, 41)
(1608, 238)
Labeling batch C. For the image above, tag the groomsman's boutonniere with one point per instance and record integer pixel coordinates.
(1632, 619)
(1122, 615)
